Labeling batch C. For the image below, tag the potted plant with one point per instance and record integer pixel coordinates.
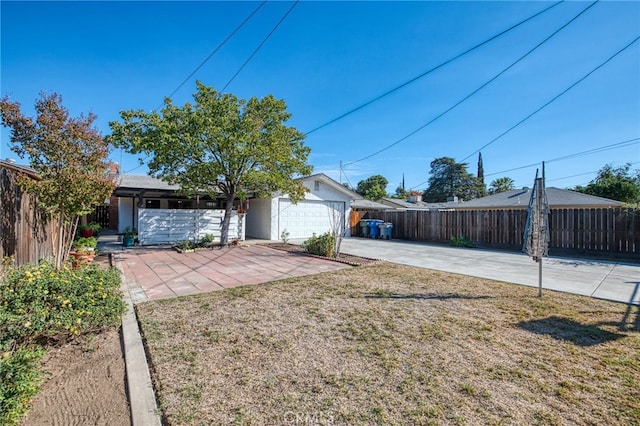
(83, 251)
(129, 237)
(89, 230)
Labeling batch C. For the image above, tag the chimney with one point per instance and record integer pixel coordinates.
(415, 199)
(452, 199)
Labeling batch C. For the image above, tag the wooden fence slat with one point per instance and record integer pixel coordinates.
(601, 231)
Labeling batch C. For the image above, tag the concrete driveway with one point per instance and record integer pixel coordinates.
(614, 281)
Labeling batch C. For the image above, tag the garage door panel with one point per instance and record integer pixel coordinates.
(307, 217)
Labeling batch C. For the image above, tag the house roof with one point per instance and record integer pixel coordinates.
(144, 182)
(365, 204)
(519, 198)
(333, 183)
(11, 165)
(127, 183)
(419, 205)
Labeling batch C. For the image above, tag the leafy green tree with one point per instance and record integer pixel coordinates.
(502, 184)
(449, 178)
(401, 193)
(70, 156)
(619, 184)
(373, 188)
(219, 145)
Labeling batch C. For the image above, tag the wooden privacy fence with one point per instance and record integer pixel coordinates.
(26, 233)
(610, 232)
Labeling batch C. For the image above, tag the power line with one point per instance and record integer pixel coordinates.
(616, 145)
(260, 45)
(583, 174)
(476, 90)
(622, 144)
(204, 62)
(217, 48)
(416, 78)
(554, 98)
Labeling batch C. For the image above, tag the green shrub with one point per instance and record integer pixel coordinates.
(322, 245)
(38, 303)
(85, 242)
(462, 242)
(20, 380)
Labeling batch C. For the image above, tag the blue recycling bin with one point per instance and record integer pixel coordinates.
(364, 227)
(374, 227)
(385, 230)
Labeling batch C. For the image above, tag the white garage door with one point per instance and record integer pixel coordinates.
(304, 219)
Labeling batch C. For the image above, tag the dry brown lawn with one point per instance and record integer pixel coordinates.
(390, 344)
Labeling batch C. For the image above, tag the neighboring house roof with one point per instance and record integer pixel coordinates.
(11, 165)
(369, 205)
(418, 205)
(519, 198)
(333, 183)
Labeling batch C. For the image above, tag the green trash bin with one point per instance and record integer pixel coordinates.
(364, 227)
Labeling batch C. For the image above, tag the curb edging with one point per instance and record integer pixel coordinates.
(142, 400)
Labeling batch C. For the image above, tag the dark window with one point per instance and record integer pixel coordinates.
(180, 204)
(152, 204)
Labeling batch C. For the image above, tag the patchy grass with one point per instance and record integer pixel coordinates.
(391, 344)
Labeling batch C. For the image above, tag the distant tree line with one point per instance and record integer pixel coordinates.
(448, 178)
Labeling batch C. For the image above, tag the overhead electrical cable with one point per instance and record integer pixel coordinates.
(485, 84)
(204, 62)
(260, 45)
(583, 174)
(218, 48)
(609, 147)
(429, 71)
(553, 99)
(578, 154)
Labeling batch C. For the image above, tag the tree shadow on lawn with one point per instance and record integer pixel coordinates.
(571, 331)
(426, 296)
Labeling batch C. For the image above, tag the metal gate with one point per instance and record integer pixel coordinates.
(100, 215)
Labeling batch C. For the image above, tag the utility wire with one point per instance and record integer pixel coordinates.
(553, 99)
(416, 78)
(583, 174)
(202, 64)
(616, 145)
(260, 45)
(578, 154)
(476, 90)
(216, 49)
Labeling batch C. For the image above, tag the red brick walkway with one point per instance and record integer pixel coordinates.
(160, 273)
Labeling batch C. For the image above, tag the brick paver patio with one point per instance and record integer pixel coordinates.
(160, 273)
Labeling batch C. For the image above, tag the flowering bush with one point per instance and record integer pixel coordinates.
(39, 304)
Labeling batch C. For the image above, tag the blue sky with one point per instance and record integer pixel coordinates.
(327, 58)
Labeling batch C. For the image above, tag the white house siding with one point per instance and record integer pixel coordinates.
(268, 218)
(168, 226)
(126, 214)
(259, 218)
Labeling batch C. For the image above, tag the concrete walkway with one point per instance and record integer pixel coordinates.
(615, 281)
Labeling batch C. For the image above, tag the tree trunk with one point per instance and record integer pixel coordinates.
(226, 221)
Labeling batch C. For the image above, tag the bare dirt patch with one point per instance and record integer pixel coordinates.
(392, 344)
(84, 384)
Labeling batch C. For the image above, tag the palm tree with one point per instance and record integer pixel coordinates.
(502, 184)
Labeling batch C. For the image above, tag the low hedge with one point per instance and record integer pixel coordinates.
(40, 305)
